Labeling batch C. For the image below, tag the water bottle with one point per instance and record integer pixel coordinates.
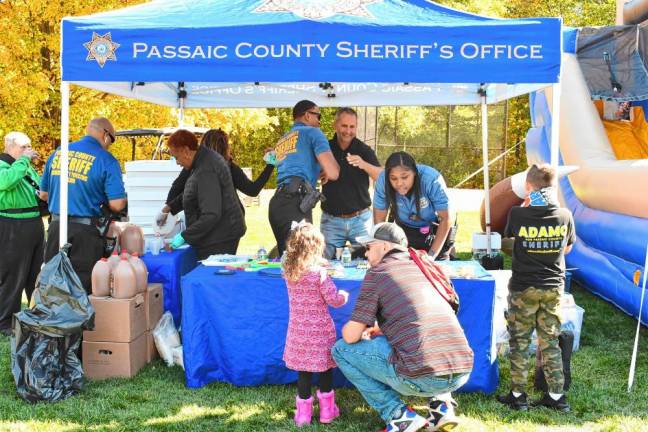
(156, 245)
(346, 257)
(262, 254)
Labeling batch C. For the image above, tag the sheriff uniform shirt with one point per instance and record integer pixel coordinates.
(434, 198)
(541, 235)
(94, 177)
(297, 153)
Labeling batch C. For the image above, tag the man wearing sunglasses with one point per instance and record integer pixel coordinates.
(303, 155)
(95, 179)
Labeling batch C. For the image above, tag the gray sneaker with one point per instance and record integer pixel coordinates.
(441, 416)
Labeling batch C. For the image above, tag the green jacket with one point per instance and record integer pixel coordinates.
(15, 192)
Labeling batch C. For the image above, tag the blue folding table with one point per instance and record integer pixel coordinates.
(167, 268)
(234, 326)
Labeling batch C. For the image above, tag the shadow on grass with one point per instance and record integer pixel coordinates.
(158, 400)
(599, 372)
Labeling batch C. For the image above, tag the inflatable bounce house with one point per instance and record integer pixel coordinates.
(603, 132)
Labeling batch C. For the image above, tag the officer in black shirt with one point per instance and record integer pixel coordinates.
(345, 212)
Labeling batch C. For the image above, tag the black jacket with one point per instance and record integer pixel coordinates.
(240, 180)
(211, 206)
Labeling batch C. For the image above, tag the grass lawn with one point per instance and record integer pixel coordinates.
(157, 399)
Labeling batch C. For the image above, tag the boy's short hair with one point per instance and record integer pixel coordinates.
(541, 176)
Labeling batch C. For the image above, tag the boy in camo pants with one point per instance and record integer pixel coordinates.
(543, 233)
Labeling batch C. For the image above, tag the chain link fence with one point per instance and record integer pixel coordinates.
(445, 137)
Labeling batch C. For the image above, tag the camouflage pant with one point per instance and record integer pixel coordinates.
(539, 309)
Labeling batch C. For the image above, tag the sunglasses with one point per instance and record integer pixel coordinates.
(111, 136)
(316, 114)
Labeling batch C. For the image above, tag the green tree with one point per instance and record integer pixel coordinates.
(575, 13)
(30, 75)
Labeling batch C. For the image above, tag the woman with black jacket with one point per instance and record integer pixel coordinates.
(215, 222)
(217, 140)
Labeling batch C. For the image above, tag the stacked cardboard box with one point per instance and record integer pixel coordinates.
(122, 343)
(117, 346)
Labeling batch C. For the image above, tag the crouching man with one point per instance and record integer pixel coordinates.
(420, 348)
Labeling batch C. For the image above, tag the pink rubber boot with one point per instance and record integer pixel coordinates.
(304, 411)
(328, 410)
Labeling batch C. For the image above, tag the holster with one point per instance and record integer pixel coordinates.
(102, 223)
(309, 197)
(449, 242)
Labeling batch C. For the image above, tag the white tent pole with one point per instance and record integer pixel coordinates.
(555, 111)
(555, 124)
(182, 100)
(633, 361)
(63, 162)
(181, 113)
(484, 122)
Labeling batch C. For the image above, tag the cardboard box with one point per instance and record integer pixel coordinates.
(153, 304)
(114, 359)
(151, 349)
(117, 320)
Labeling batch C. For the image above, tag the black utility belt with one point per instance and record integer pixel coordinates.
(292, 185)
(76, 219)
(21, 210)
(308, 194)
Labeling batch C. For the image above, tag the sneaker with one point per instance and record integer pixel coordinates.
(517, 403)
(408, 421)
(441, 416)
(549, 402)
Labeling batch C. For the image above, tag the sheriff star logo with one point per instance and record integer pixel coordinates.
(101, 48)
(318, 9)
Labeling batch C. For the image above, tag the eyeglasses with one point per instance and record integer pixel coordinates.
(316, 114)
(111, 136)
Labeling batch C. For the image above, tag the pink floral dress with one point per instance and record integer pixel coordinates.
(311, 332)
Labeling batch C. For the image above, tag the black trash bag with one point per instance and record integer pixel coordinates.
(47, 337)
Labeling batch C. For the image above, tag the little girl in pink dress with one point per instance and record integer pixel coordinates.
(311, 332)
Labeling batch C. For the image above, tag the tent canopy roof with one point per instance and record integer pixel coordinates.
(246, 53)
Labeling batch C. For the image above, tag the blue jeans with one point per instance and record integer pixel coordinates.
(366, 364)
(338, 230)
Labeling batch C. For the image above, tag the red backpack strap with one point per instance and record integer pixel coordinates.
(437, 278)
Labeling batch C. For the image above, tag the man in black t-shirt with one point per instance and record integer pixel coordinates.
(345, 212)
(543, 233)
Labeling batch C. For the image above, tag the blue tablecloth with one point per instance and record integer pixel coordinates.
(167, 268)
(234, 328)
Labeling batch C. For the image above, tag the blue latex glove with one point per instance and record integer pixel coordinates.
(270, 157)
(177, 241)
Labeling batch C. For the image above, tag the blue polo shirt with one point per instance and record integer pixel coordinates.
(297, 153)
(434, 197)
(94, 178)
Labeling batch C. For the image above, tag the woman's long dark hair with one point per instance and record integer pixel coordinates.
(217, 140)
(406, 161)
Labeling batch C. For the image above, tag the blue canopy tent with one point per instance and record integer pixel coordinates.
(272, 53)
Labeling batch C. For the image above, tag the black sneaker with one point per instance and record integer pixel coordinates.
(549, 402)
(517, 403)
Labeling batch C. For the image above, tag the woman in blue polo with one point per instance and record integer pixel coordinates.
(417, 196)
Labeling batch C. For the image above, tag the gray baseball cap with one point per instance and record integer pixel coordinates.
(385, 231)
